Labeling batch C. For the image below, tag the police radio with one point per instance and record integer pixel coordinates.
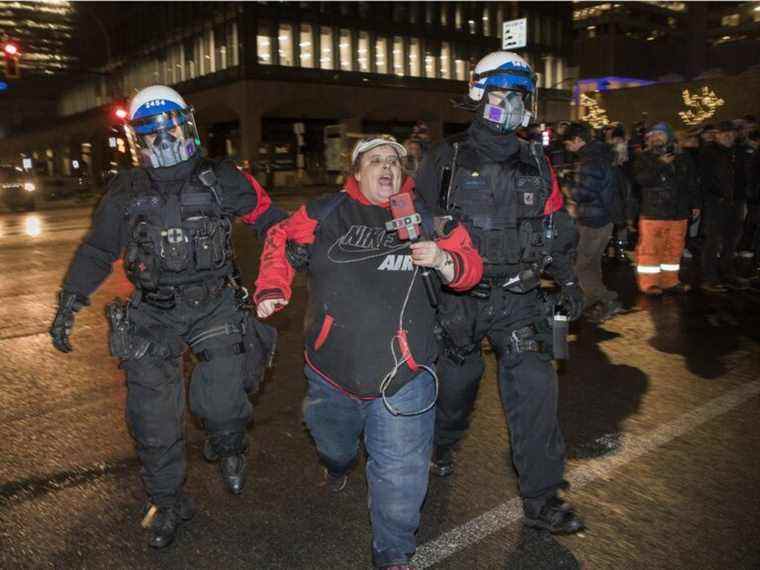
(408, 223)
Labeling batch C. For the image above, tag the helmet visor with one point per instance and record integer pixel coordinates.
(165, 138)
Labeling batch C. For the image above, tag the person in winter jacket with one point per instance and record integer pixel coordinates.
(669, 197)
(598, 207)
(366, 295)
(725, 205)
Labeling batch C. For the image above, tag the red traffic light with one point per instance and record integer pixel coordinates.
(10, 49)
(120, 113)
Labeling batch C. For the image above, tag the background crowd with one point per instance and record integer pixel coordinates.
(671, 195)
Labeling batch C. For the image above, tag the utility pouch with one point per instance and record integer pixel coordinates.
(175, 249)
(123, 343)
(260, 342)
(203, 253)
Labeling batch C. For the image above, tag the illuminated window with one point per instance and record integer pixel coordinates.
(428, 12)
(306, 46)
(188, 49)
(398, 55)
(264, 44)
(345, 50)
(548, 75)
(458, 19)
(486, 21)
(429, 64)
(415, 58)
(220, 48)
(472, 26)
(444, 15)
(445, 60)
(285, 44)
(730, 20)
(363, 52)
(233, 54)
(460, 63)
(326, 48)
(381, 55)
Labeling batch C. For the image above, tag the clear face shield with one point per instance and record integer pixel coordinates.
(164, 139)
(507, 110)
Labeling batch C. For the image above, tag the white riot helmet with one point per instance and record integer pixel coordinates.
(508, 72)
(161, 127)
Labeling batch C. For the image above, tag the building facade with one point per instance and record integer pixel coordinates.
(266, 78)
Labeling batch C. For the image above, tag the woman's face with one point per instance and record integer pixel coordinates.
(379, 174)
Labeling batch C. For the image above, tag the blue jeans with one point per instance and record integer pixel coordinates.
(398, 449)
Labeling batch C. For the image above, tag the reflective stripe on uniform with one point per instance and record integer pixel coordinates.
(670, 266)
(648, 269)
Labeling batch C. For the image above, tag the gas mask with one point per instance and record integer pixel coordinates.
(167, 150)
(508, 115)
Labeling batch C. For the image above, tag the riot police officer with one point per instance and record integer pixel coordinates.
(504, 191)
(170, 220)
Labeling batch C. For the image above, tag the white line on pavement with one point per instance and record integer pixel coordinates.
(632, 448)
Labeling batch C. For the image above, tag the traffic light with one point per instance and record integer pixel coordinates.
(11, 56)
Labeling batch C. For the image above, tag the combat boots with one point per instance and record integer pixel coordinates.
(234, 469)
(442, 463)
(553, 514)
(164, 521)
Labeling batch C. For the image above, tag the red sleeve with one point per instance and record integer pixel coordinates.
(263, 201)
(468, 265)
(556, 200)
(275, 273)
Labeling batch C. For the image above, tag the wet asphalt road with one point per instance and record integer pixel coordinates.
(659, 408)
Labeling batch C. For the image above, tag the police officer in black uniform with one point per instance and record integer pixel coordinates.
(504, 192)
(171, 221)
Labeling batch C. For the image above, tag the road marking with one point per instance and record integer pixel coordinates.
(632, 448)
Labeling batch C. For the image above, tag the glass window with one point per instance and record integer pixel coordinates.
(444, 15)
(428, 12)
(499, 20)
(730, 20)
(472, 26)
(381, 50)
(220, 48)
(429, 65)
(415, 58)
(285, 42)
(398, 55)
(264, 44)
(458, 19)
(345, 50)
(446, 60)
(363, 52)
(188, 50)
(209, 64)
(486, 21)
(460, 67)
(306, 46)
(233, 57)
(326, 48)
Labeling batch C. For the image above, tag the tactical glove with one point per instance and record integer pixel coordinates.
(571, 299)
(68, 304)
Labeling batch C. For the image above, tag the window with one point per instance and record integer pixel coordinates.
(445, 60)
(428, 13)
(548, 75)
(461, 69)
(345, 50)
(363, 52)
(220, 48)
(381, 50)
(415, 58)
(458, 20)
(398, 55)
(263, 44)
(731, 20)
(472, 26)
(285, 44)
(444, 15)
(486, 20)
(326, 48)
(499, 20)
(188, 49)
(233, 57)
(306, 46)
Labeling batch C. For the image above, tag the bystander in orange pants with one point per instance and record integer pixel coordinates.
(658, 254)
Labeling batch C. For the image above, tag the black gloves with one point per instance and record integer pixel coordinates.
(571, 299)
(68, 304)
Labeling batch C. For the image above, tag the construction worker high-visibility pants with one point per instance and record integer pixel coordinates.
(658, 254)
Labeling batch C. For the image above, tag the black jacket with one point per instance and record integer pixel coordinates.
(718, 166)
(668, 191)
(595, 189)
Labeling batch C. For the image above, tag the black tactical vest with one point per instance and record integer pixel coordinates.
(176, 238)
(502, 206)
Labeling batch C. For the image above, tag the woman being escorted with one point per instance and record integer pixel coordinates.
(369, 334)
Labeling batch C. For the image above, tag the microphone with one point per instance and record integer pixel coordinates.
(407, 221)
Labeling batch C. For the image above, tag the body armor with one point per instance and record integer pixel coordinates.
(177, 238)
(502, 206)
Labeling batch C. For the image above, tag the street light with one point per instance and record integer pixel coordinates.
(10, 49)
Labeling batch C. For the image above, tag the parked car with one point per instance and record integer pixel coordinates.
(17, 188)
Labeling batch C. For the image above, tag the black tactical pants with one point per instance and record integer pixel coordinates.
(527, 382)
(156, 394)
